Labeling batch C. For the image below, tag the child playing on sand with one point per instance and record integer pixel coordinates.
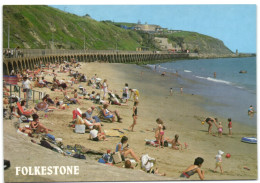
(95, 135)
(229, 126)
(175, 143)
(220, 129)
(219, 161)
(134, 116)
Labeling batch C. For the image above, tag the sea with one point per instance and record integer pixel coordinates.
(229, 94)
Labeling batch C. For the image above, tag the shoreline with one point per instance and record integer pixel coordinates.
(180, 113)
(194, 86)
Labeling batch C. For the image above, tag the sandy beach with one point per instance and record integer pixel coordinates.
(181, 113)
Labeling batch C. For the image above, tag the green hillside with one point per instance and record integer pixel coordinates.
(198, 42)
(35, 26)
(39, 27)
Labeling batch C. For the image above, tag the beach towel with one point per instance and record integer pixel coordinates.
(112, 133)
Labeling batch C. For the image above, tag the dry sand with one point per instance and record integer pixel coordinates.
(181, 115)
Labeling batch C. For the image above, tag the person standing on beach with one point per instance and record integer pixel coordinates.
(219, 161)
(134, 116)
(26, 85)
(171, 92)
(105, 88)
(181, 90)
(126, 93)
(210, 122)
(229, 126)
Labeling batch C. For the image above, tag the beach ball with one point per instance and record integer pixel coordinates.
(203, 122)
(228, 155)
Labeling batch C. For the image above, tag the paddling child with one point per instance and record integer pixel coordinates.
(251, 110)
(229, 126)
(171, 92)
(219, 161)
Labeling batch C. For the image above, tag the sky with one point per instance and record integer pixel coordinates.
(234, 24)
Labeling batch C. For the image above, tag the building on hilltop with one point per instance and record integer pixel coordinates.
(164, 45)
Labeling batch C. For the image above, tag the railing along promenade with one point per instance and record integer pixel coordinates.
(19, 59)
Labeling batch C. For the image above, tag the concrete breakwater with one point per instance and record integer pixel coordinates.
(31, 58)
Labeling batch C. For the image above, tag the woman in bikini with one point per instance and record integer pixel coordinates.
(37, 126)
(175, 143)
(192, 169)
(210, 122)
(159, 131)
(134, 116)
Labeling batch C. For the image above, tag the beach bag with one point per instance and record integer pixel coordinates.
(80, 129)
(107, 158)
(51, 137)
(79, 156)
(46, 144)
(117, 157)
(7, 164)
(166, 143)
(101, 160)
(147, 162)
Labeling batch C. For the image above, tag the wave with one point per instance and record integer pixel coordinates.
(214, 80)
(187, 71)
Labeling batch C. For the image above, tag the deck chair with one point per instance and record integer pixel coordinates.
(101, 115)
(21, 111)
(68, 100)
(24, 116)
(76, 112)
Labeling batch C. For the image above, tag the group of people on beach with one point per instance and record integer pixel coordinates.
(210, 121)
(91, 122)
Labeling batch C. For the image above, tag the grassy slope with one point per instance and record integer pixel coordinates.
(203, 43)
(33, 26)
(68, 29)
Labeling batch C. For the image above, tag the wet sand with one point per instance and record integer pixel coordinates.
(181, 113)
